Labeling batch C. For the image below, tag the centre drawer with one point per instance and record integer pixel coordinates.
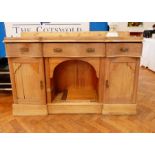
(74, 49)
(123, 49)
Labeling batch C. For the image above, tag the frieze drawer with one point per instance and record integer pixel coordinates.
(24, 50)
(74, 50)
(123, 49)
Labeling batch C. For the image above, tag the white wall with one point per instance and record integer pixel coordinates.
(123, 26)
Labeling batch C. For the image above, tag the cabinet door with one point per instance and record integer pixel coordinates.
(121, 80)
(28, 80)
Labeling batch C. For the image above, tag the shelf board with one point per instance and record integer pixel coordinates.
(4, 72)
(76, 95)
(5, 83)
(6, 89)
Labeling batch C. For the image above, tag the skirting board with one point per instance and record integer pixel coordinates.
(29, 110)
(74, 109)
(119, 109)
(115, 109)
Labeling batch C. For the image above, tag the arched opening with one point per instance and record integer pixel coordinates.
(74, 80)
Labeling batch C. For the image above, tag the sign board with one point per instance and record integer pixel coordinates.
(15, 29)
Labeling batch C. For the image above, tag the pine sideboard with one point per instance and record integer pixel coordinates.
(83, 72)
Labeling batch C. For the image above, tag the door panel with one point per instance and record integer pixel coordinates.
(29, 80)
(18, 80)
(121, 80)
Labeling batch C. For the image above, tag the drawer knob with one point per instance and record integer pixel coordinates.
(90, 50)
(24, 50)
(124, 49)
(57, 50)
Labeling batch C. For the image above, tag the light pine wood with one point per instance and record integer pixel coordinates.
(76, 35)
(78, 67)
(75, 108)
(78, 75)
(82, 94)
(52, 63)
(119, 109)
(72, 37)
(142, 122)
(12, 79)
(121, 75)
(49, 82)
(102, 80)
(29, 110)
(28, 80)
(123, 49)
(95, 62)
(24, 49)
(64, 35)
(74, 50)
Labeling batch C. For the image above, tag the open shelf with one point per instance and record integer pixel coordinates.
(2, 73)
(74, 81)
(74, 94)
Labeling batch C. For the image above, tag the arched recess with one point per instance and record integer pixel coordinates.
(79, 77)
(53, 62)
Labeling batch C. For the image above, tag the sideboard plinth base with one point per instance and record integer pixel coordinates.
(26, 110)
(77, 108)
(119, 109)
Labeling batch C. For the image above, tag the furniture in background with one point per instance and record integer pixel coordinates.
(148, 53)
(85, 72)
(5, 83)
(136, 34)
(147, 33)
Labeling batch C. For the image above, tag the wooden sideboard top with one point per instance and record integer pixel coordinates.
(72, 37)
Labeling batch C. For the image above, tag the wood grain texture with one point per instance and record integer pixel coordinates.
(123, 49)
(74, 50)
(121, 80)
(73, 37)
(24, 49)
(74, 70)
(75, 108)
(142, 122)
(75, 74)
(78, 75)
(29, 110)
(119, 109)
(54, 62)
(83, 93)
(28, 80)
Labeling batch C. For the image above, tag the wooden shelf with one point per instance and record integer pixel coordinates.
(6, 89)
(77, 95)
(4, 73)
(5, 83)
